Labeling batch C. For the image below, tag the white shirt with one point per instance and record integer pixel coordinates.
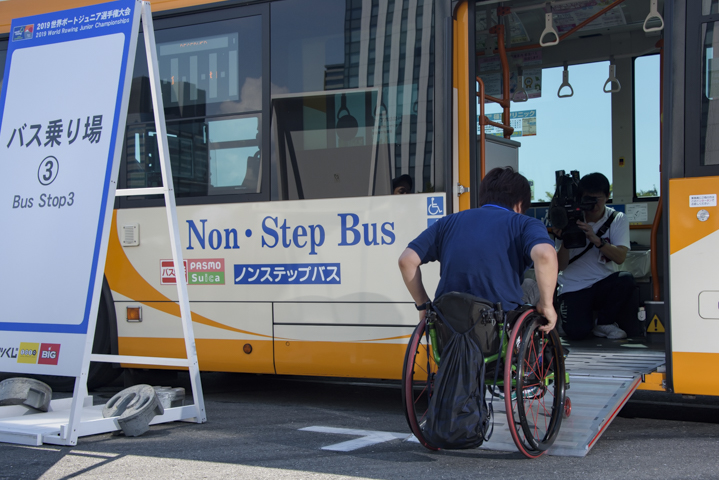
(593, 266)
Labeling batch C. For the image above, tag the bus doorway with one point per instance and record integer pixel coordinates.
(577, 85)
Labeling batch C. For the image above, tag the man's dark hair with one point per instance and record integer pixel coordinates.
(594, 183)
(506, 188)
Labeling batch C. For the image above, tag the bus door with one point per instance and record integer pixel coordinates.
(691, 148)
(583, 98)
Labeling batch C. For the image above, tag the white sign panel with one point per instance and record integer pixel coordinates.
(698, 201)
(62, 121)
(637, 212)
(524, 123)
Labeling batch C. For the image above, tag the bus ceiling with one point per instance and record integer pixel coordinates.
(510, 36)
(573, 31)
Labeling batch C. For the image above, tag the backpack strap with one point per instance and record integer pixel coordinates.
(444, 320)
(490, 409)
(429, 377)
(602, 230)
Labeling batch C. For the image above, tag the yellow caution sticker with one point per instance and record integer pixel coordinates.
(655, 326)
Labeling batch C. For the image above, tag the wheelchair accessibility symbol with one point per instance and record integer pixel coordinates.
(435, 206)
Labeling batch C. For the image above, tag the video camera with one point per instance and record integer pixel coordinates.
(566, 208)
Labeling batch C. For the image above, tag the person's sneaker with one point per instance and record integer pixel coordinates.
(612, 331)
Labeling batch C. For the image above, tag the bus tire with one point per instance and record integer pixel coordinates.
(100, 374)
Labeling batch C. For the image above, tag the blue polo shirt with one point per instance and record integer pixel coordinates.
(483, 251)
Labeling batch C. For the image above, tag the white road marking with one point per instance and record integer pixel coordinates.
(368, 437)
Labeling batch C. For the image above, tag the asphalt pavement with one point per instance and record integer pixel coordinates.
(272, 427)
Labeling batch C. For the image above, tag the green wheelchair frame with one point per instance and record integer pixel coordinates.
(536, 369)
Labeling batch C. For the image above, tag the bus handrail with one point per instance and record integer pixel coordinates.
(504, 101)
(656, 290)
(483, 121)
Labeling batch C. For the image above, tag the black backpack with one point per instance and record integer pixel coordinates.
(458, 415)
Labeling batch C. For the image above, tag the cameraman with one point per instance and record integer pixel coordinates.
(588, 280)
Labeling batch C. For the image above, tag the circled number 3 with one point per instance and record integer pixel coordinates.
(48, 170)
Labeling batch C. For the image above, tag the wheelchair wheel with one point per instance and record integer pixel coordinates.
(534, 388)
(418, 365)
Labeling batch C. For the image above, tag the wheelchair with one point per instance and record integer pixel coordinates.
(525, 370)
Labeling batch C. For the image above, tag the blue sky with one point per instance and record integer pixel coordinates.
(575, 133)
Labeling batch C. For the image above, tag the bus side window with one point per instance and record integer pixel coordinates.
(234, 146)
(326, 147)
(212, 90)
(351, 109)
(709, 146)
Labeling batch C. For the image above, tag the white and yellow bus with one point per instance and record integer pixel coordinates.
(289, 120)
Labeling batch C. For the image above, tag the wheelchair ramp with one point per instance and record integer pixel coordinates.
(601, 383)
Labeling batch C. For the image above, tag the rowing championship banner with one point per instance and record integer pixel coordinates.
(62, 119)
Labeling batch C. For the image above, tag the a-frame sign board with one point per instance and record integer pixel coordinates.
(63, 111)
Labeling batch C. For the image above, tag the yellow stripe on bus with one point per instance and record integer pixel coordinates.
(461, 83)
(340, 359)
(685, 228)
(125, 280)
(695, 373)
(213, 355)
(328, 359)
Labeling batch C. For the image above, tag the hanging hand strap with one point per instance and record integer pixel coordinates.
(612, 81)
(549, 31)
(520, 94)
(565, 83)
(652, 18)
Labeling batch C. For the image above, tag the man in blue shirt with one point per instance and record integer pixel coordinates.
(485, 251)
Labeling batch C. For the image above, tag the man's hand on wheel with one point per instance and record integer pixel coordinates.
(547, 311)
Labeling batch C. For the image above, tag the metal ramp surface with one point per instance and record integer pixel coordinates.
(601, 383)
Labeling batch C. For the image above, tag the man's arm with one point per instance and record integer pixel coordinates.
(545, 268)
(409, 263)
(615, 253)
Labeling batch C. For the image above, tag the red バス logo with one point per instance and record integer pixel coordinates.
(167, 272)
